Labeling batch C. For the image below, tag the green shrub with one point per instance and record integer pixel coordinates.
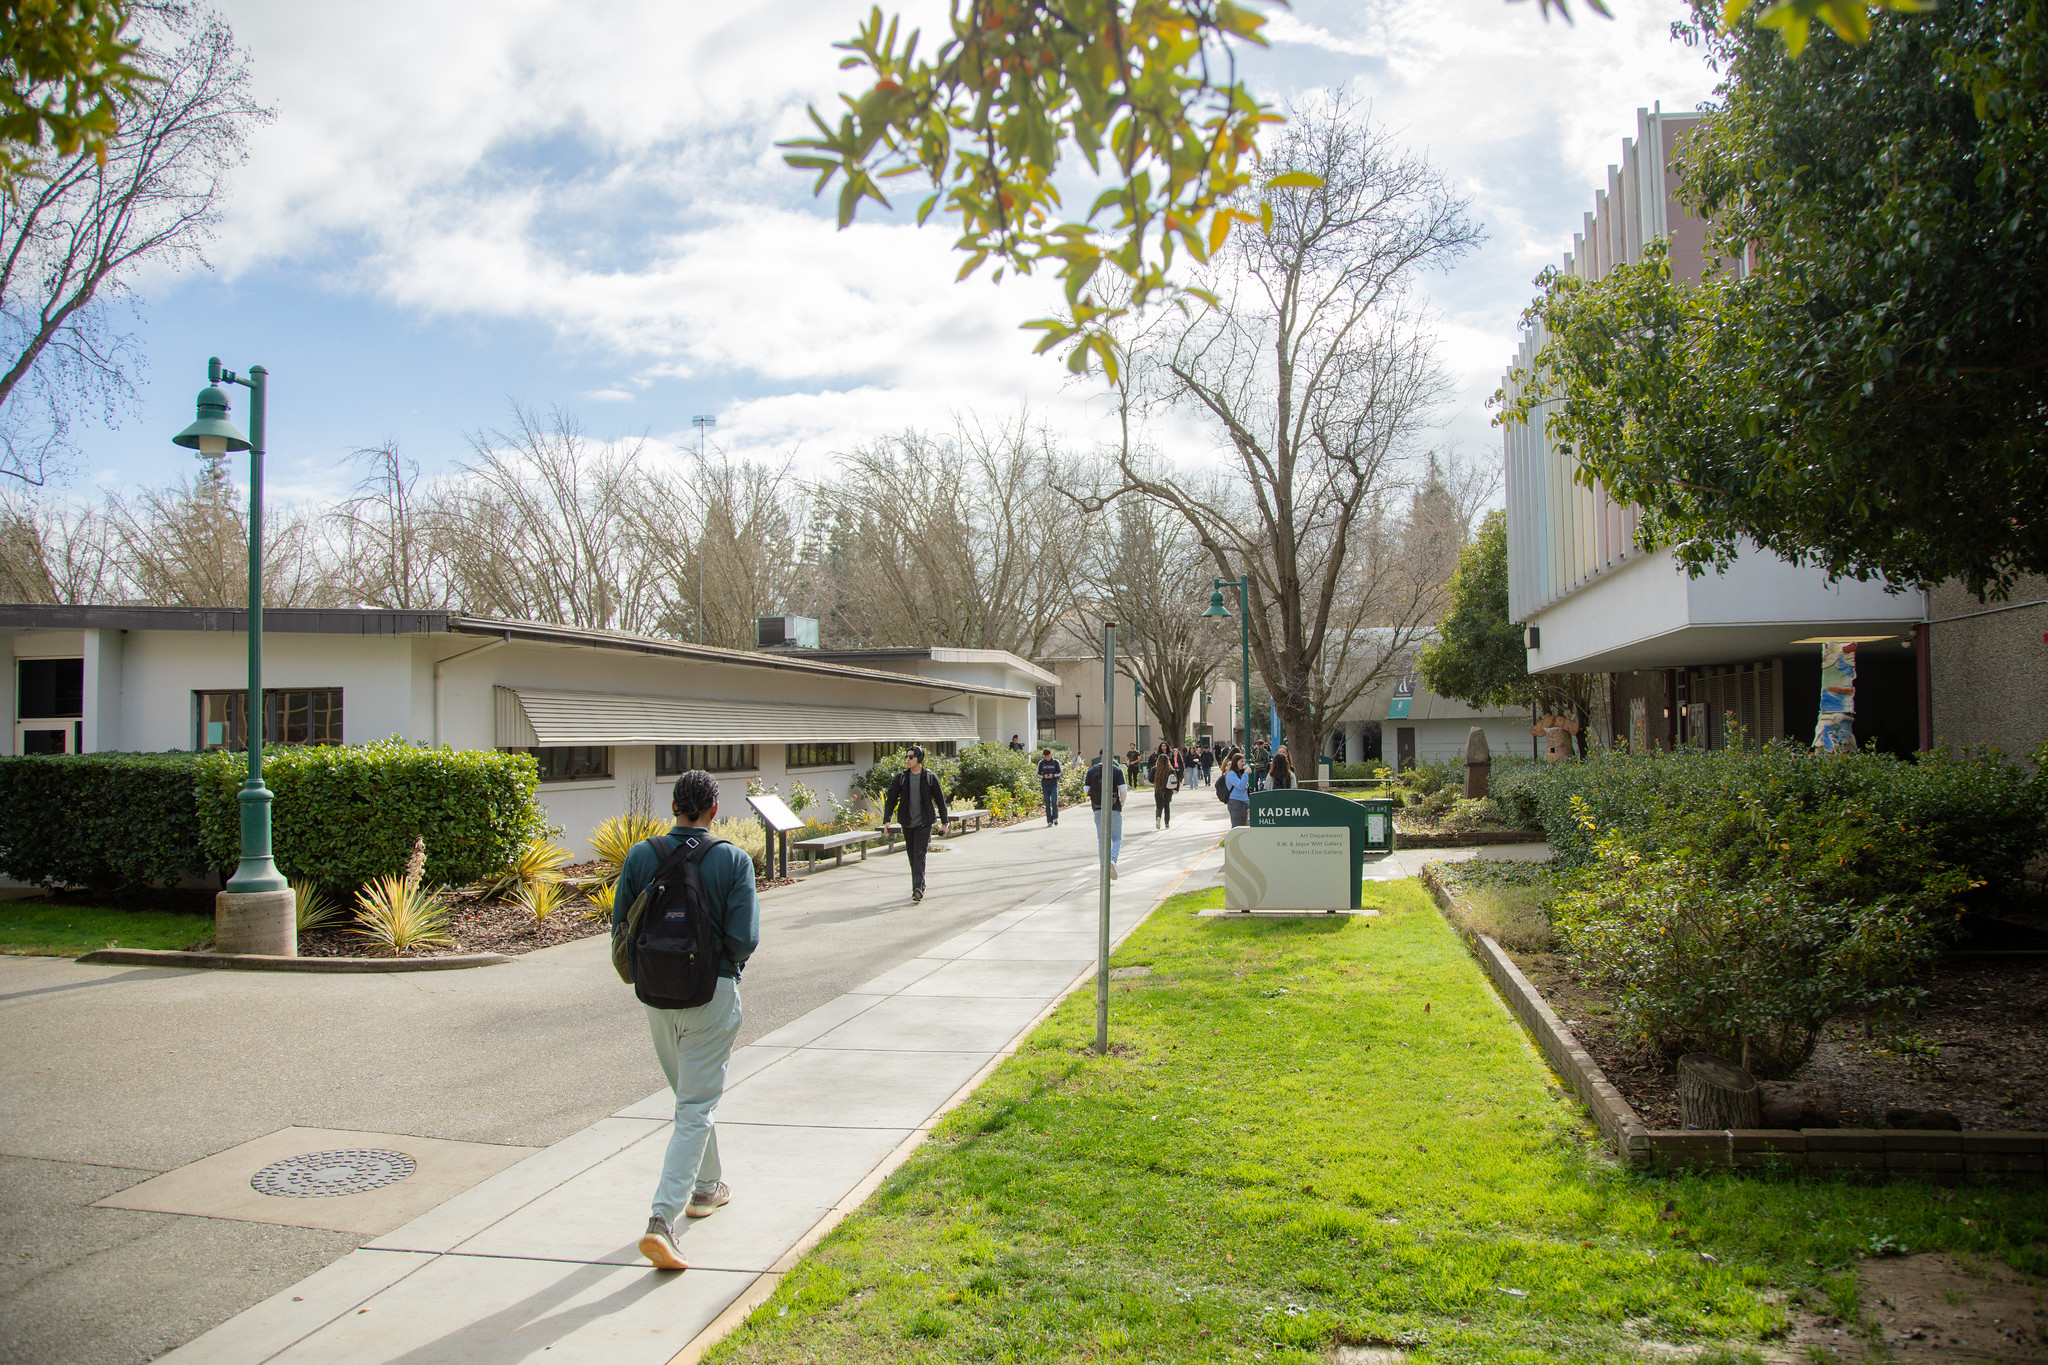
(1359, 772)
(1748, 969)
(988, 767)
(345, 815)
(1428, 776)
(874, 783)
(750, 835)
(1848, 824)
(100, 820)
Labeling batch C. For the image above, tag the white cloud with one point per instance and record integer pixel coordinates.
(607, 170)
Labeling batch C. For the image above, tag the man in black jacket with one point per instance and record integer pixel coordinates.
(1050, 770)
(920, 799)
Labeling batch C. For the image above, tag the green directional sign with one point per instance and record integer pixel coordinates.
(1371, 823)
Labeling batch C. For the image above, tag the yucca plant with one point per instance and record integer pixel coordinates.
(539, 861)
(312, 905)
(602, 900)
(539, 899)
(612, 840)
(396, 914)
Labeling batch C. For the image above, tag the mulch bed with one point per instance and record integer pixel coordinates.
(1977, 1046)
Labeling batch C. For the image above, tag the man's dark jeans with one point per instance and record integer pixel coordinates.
(1052, 799)
(917, 839)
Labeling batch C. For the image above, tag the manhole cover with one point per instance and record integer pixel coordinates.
(318, 1175)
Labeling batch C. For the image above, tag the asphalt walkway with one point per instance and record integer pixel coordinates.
(539, 1260)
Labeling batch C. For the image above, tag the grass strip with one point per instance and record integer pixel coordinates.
(1324, 1132)
(50, 929)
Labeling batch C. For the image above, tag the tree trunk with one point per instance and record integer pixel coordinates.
(1714, 1092)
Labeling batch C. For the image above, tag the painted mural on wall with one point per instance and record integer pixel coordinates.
(1833, 732)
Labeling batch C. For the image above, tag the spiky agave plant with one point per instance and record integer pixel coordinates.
(601, 901)
(539, 899)
(314, 908)
(612, 840)
(539, 861)
(398, 913)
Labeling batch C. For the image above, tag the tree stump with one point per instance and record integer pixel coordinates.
(1714, 1092)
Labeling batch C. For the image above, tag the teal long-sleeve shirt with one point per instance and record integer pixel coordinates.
(728, 885)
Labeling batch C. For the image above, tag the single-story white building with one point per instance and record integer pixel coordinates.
(611, 718)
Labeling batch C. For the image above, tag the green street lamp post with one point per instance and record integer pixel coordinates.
(1216, 608)
(255, 913)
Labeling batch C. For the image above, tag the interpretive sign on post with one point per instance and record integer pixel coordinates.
(1368, 824)
(1290, 868)
(781, 821)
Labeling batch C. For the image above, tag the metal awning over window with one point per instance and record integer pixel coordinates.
(533, 719)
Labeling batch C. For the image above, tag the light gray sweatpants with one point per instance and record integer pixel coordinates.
(694, 1047)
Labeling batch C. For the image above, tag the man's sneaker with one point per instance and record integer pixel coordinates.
(659, 1245)
(1112, 869)
(704, 1205)
(916, 894)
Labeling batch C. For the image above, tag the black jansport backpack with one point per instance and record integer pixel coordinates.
(1223, 788)
(673, 944)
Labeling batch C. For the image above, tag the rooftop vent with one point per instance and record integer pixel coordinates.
(785, 632)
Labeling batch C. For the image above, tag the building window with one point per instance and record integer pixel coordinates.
(673, 760)
(572, 762)
(46, 689)
(933, 748)
(290, 716)
(820, 755)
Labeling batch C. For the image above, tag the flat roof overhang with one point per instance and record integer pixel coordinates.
(1696, 646)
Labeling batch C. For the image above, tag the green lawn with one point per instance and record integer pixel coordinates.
(1320, 1132)
(56, 930)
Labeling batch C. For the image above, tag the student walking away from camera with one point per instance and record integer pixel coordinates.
(1050, 770)
(682, 946)
(1165, 777)
(1283, 768)
(1118, 786)
(1206, 758)
(1237, 791)
(920, 799)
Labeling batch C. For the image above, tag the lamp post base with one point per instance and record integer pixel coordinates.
(256, 922)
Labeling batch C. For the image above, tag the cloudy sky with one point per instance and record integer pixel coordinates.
(465, 204)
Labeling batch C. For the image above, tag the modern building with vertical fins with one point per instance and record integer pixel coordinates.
(1725, 658)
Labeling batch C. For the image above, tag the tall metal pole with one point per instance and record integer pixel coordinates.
(1106, 817)
(1244, 633)
(257, 870)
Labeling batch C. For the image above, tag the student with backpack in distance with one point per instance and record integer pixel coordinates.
(684, 922)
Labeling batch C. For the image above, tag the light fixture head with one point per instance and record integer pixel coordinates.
(1216, 607)
(211, 433)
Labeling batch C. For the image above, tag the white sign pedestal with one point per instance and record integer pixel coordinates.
(1287, 868)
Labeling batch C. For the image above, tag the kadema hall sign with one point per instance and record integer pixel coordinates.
(1303, 847)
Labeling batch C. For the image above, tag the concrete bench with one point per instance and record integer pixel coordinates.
(836, 845)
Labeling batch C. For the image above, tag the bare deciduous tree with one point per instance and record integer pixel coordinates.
(188, 545)
(961, 540)
(734, 522)
(538, 527)
(385, 553)
(80, 228)
(58, 553)
(1146, 570)
(1317, 378)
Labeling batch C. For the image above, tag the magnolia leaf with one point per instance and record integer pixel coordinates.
(1295, 180)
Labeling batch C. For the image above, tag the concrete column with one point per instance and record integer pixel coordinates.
(102, 700)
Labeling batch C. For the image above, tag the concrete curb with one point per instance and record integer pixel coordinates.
(1870, 1153)
(260, 962)
(764, 1286)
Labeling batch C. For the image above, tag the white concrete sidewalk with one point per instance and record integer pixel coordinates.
(539, 1261)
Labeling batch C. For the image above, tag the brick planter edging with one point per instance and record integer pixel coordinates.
(1873, 1153)
(261, 962)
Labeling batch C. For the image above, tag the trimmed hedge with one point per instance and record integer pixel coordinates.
(99, 820)
(346, 814)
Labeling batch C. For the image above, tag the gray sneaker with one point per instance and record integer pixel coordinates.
(704, 1205)
(1112, 869)
(659, 1245)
